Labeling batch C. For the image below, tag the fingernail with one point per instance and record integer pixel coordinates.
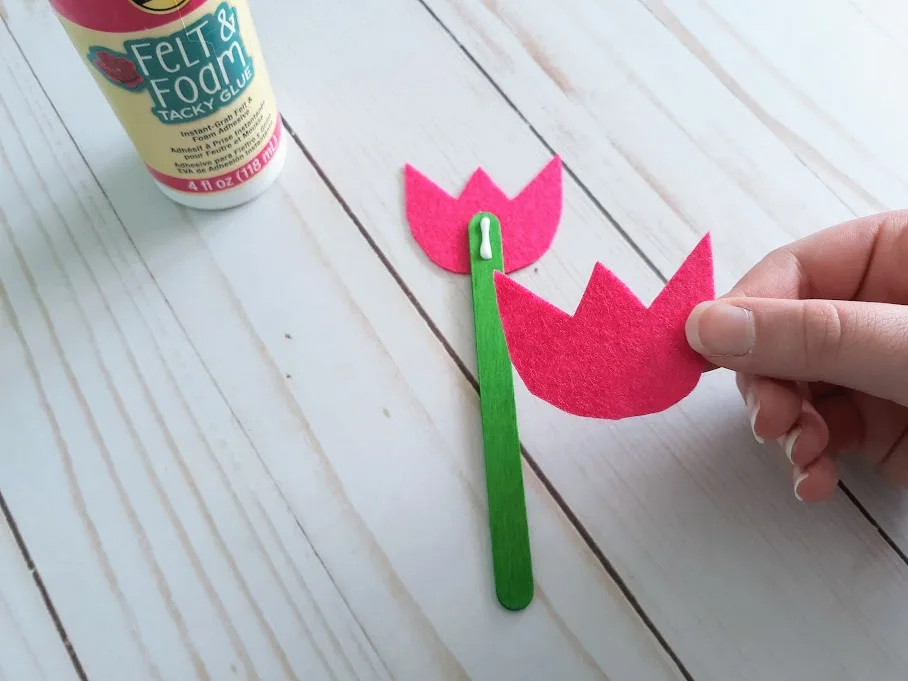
(800, 477)
(719, 329)
(787, 442)
(753, 406)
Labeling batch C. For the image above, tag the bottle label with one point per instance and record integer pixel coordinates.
(192, 92)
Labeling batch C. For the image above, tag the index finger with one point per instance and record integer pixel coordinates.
(829, 265)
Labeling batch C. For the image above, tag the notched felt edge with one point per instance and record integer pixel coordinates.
(703, 249)
(413, 174)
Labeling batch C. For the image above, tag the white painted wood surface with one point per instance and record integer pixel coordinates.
(353, 442)
(235, 449)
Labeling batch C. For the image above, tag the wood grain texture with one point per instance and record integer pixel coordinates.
(809, 79)
(699, 520)
(824, 79)
(821, 78)
(31, 648)
(654, 128)
(252, 313)
(167, 549)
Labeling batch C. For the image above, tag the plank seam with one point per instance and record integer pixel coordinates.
(39, 584)
(567, 168)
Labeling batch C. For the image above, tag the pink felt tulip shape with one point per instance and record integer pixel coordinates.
(614, 358)
(528, 221)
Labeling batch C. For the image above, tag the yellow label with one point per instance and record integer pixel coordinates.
(193, 95)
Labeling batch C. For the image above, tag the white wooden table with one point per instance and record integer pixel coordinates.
(246, 445)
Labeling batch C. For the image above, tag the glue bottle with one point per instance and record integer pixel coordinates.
(187, 80)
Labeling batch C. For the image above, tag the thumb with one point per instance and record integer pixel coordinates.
(863, 346)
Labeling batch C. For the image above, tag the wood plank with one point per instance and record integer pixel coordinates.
(825, 81)
(756, 89)
(325, 379)
(667, 149)
(822, 78)
(696, 518)
(31, 649)
(651, 130)
(168, 549)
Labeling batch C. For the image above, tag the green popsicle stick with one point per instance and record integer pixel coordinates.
(512, 563)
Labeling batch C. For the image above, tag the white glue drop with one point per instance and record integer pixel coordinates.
(485, 248)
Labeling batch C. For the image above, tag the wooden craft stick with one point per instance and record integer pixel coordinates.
(511, 557)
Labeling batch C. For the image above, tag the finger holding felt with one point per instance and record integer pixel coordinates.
(856, 345)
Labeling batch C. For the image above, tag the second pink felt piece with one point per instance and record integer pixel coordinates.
(528, 221)
(614, 358)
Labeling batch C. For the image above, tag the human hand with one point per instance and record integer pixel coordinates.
(818, 336)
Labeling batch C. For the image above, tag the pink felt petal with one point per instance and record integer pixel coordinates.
(528, 221)
(614, 358)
